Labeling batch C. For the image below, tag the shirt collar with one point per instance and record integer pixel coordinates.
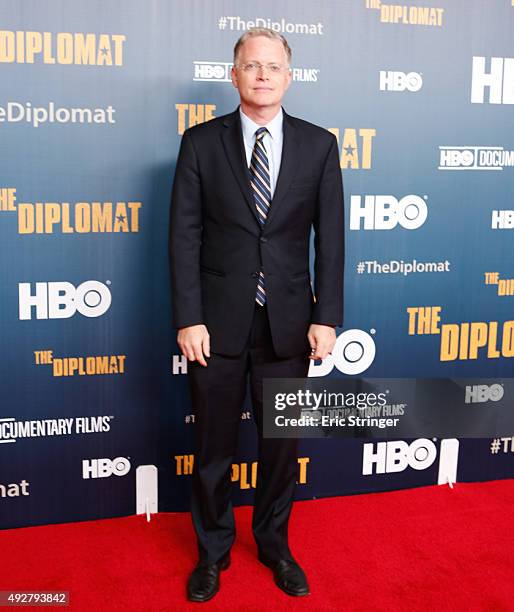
(249, 127)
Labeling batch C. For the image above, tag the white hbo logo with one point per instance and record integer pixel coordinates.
(502, 219)
(103, 468)
(499, 81)
(385, 212)
(353, 353)
(399, 81)
(61, 300)
(397, 456)
(212, 71)
(479, 394)
(456, 157)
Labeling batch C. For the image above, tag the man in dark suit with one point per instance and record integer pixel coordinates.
(248, 188)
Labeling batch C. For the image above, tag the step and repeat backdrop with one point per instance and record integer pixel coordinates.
(95, 418)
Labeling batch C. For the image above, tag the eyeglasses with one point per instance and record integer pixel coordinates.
(255, 67)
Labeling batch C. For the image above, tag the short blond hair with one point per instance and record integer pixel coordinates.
(268, 33)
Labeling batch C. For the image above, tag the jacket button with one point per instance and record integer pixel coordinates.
(263, 239)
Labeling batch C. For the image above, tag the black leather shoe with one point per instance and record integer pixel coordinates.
(204, 582)
(288, 576)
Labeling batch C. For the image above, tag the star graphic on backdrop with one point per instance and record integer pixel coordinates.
(121, 218)
(104, 50)
(349, 150)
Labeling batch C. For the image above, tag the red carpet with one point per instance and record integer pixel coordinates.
(422, 549)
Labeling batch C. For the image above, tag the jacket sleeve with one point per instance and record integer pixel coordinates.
(329, 243)
(185, 237)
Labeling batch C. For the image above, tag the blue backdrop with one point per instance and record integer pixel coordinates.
(93, 103)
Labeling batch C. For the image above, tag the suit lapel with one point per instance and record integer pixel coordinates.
(233, 143)
(288, 164)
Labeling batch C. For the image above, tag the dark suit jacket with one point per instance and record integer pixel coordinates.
(217, 246)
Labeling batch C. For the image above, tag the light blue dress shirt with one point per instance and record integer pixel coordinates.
(272, 142)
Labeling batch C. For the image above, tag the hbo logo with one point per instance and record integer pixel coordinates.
(61, 300)
(502, 219)
(385, 212)
(103, 468)
(354, 352)
(399, 81)
(456, 158)
(216, 72)
(478, 394)
(499, 80)
(397, 456)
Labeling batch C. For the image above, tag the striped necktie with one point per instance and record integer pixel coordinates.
(261, 188)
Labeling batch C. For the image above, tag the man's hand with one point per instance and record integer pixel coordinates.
(322, 339)
(194, 342)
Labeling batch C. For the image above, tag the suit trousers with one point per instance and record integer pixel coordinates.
(218, 392)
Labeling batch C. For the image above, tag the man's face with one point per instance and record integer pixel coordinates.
(260, 89)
